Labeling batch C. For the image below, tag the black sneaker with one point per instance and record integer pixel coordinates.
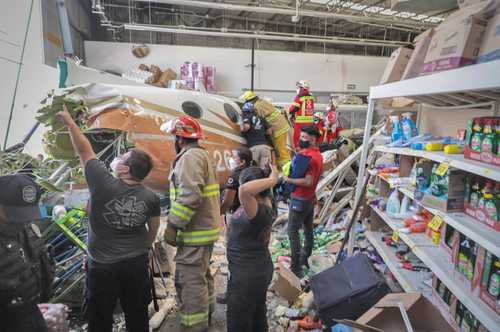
(222, 298)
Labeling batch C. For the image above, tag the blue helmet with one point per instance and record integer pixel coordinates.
(248, 107)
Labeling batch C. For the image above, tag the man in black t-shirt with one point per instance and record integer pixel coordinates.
(123, 220)
(257, 132)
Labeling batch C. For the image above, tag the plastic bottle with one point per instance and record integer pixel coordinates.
(393, 204)
(494, 282)
(408, 126)
(488, 137)
(475, 195)
(477, 136)
(497, 139)
(397, 132)
(418, 227)
(490, 206)
(487, 191)
(405, 205)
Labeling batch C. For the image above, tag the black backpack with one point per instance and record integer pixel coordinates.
(347, 290)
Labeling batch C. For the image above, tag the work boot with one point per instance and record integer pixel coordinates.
(303, 261)
(222, 298)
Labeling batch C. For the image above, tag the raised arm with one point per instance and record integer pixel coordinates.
(248, 192)
(80, 143)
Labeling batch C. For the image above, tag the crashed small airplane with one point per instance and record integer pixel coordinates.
(139, 111)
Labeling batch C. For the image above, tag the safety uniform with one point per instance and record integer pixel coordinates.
(280, 127)
(195, 213)
(303, 113)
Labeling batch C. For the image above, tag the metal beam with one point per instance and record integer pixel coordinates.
(288, 11)
(264, 36)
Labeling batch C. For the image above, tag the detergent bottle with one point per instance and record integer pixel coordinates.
(477, 137)
(397, 132)
(408, 126)
(488, 138)
(393, 206)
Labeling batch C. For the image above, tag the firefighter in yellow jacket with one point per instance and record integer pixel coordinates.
(278, 123)
(193, 223)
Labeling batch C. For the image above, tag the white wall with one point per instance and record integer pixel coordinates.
(274, 70)
(35, 80)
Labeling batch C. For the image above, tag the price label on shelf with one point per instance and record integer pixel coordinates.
(442, 169)
(395, 236)
(435, 223)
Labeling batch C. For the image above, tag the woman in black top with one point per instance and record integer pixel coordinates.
(250, 264)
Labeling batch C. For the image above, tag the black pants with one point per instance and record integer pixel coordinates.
(247, 294)
(127, 280)
(22, 318)
(300, 216)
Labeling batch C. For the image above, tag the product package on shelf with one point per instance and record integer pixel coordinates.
(490, 48)
(457, 40)
(416, 62)
(194, 74)
(490, 282)
(442, 187)
(445, 301)
(449, 239)
(396, 65)
(468, 266)
(482, 200)
(482, 140)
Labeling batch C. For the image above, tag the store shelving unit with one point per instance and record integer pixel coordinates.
(470, 87)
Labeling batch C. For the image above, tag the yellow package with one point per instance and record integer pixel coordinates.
(453, 149)
(434, 147)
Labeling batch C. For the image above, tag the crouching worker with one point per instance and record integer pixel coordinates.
(123, 220)
(250, 264)
(26, 268)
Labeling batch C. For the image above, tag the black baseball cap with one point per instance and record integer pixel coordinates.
(19, 196)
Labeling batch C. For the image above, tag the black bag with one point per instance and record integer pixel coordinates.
(347, 290)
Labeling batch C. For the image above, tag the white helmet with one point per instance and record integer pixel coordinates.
(303, 84)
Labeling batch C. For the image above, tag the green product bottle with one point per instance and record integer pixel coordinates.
(488, 189)
(490, 206)
(477, 136)
(497, 138)
(488, 138)
(459, 315)
(494, 282)
(475, 195)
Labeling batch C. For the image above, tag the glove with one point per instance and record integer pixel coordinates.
(171, 235)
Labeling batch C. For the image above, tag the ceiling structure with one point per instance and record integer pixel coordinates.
(362, 27)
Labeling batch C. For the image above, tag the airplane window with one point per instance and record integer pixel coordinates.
(231, 113)
(192, 109)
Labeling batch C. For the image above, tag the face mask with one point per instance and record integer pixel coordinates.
(233, 164)
(304, 144)
(114, 166)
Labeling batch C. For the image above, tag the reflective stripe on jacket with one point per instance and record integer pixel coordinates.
(303, 107)
(273, 116)
(194, 198)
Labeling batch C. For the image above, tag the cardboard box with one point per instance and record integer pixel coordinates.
(487, 260)
(490, 48)
(396, 65)
(287, 285)
(386, 316)
(453, 200)
(416, 63)
(456, 42)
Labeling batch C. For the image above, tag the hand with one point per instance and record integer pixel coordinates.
(64, 116)
(274, 172)
(171, 235)
(286, 179)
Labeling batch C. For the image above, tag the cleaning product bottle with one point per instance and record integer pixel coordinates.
(397, 132)
(487, 189)
(477, 136)
(393, 204)
(497, 138)
(463, 256)
(489, 202)
(405, 205)
(488, 137)
(494, 282)
(475, 195)
(408, 126)
(418, 227)
(497, 199)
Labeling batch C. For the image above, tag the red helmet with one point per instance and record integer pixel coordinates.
(183, 126)
(331, 117)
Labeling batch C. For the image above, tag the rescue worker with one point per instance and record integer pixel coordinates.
(302, 110)
(257, 132)
(320, 124)
(276, 120)
(26, 268)
(193, 223)
(331, 130)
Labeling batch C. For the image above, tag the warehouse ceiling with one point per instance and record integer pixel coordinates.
(362, 27)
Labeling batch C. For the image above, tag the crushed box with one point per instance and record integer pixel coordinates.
(287, 284)
(416, 62)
